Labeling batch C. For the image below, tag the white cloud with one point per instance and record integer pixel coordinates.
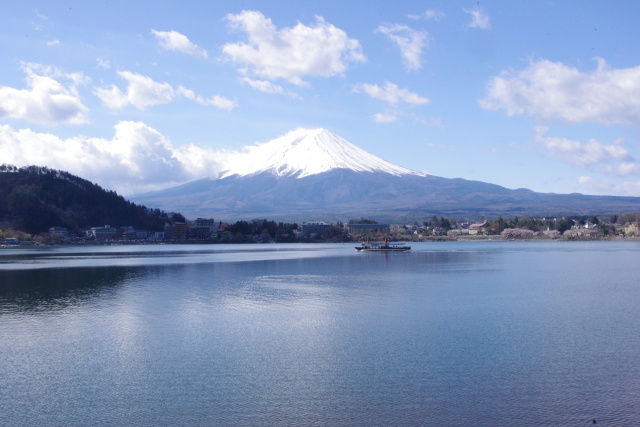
(626, 169)
(479, 19)
(604, 186)
(409, 41)
(591, 183)
(43, 19)
(41, 16)
(429, 15)
(433, 122)
(221, 102)
(391, 94)
(268, 87)
(385, 117)
(215, 101)
(610, 162)
(290, 53)
(136, 159)
(263, 85)
(143, 92)
(629, 188)
(53, 42)
(45, 101)
(103, 62)
(553, 91)
(394, 96)
(79, 79)
(201, 162)
(173, 40)
(393, 116)
(611, 159)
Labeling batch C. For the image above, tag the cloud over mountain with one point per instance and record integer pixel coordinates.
(137, 157)
(290, 53)
(391, 94)
(394, 96)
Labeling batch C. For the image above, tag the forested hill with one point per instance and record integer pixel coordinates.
(33, 199)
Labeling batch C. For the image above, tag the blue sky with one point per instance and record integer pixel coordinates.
(144, 95)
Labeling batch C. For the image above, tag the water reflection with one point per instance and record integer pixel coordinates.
(56, 289)
(136, 255)
(447, 334)
(50, 279)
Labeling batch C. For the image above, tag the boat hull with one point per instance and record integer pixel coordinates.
(384, 248)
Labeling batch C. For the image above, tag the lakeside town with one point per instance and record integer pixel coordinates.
(207, 230)
(42, 206)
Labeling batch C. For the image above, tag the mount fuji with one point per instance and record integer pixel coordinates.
(316, 174)
(302, 153)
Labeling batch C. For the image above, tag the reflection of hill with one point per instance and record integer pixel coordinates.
(58, 288)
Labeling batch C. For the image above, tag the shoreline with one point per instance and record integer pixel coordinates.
(437, 239)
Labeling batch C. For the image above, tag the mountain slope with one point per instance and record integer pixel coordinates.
(304, 152)
(341, 194)
(32, 199)
(315, 174)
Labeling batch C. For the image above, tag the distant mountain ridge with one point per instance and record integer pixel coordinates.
(315, 174)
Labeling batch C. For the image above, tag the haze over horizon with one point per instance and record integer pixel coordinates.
(148, 95)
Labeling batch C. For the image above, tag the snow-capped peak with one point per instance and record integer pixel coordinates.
(304, 152)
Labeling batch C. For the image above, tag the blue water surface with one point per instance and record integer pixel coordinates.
(455, 333)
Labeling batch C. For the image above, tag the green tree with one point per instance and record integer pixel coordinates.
(564, 225)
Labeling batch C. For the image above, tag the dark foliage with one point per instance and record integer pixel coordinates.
(245, 230)
(362, 221)
(34, 198)
(441, 222)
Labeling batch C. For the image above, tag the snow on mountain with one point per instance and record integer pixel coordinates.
(310, 174)
(305, 152)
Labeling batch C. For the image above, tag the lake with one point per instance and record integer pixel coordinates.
(451, 333)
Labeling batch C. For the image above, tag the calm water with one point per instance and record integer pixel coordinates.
(493, 333)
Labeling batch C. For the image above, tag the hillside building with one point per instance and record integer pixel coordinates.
(202, 228)
(478, 228)
(102, 234)
(176, 232)
(315, 229)
(60, 232)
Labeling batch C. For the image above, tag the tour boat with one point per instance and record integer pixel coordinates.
(383, 247)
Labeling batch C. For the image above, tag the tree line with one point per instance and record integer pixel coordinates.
(605, 225)
(244, 231)
(34, 198)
